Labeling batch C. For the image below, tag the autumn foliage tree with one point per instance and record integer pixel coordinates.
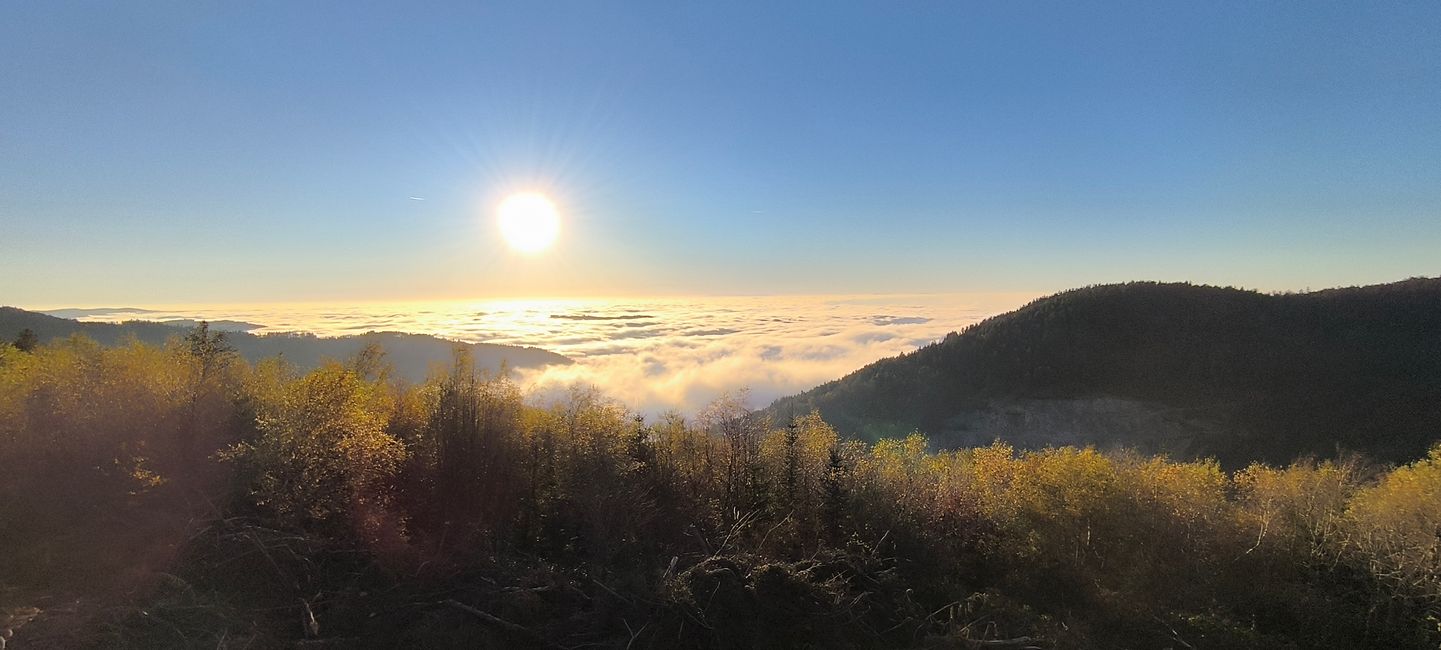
(725, 530)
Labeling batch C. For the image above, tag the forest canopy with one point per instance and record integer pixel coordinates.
(1232, 374)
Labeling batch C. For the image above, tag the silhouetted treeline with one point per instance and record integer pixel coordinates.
(410, 355)
(1286, 375)
(179, 496)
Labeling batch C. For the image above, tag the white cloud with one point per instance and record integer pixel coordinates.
(775, 347)
(655, 355)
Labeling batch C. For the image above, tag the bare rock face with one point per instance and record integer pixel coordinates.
(1103, 422)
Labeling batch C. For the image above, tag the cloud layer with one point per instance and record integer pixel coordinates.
(661, 354)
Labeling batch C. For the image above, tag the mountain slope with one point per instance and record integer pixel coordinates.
(411, 355)
(1190, 370)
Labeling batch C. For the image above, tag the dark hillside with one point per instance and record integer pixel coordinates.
(412, 355)
(1239, 374)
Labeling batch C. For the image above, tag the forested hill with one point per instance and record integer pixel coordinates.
(1188, 370)
(411, 355)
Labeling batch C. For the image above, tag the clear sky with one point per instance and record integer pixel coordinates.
(194, 151)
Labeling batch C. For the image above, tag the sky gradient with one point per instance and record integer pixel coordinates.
(163, 153)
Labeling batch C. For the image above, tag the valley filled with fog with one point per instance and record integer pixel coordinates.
(652, 354)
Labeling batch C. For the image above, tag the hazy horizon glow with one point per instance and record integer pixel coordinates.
(181, 152)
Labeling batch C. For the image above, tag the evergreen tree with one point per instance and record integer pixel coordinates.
(27, 341)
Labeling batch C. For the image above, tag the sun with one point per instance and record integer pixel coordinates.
(529, 222)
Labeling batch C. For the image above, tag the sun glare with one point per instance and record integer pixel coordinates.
(529, 222)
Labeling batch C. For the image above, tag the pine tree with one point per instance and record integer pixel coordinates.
(27, 341)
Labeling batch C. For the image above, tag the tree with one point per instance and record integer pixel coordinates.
(1395, 528)
(370, 363)
(474, 429)
(210, 355)
(211, 349)
(323, 458)
(27, 341)
(729, 418)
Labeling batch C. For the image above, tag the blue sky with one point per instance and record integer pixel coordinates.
(155, 153)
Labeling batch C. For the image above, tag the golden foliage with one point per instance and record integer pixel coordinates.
(322, 451)
(463, 465)
(1395, 527)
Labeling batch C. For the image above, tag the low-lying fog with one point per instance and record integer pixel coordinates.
(652, 354)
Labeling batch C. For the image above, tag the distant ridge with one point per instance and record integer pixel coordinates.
(81, 312)
(1175, 368)
(121, 314)
(412, 355)
(218, 325)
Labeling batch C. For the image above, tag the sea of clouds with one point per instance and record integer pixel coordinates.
(652, 354)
